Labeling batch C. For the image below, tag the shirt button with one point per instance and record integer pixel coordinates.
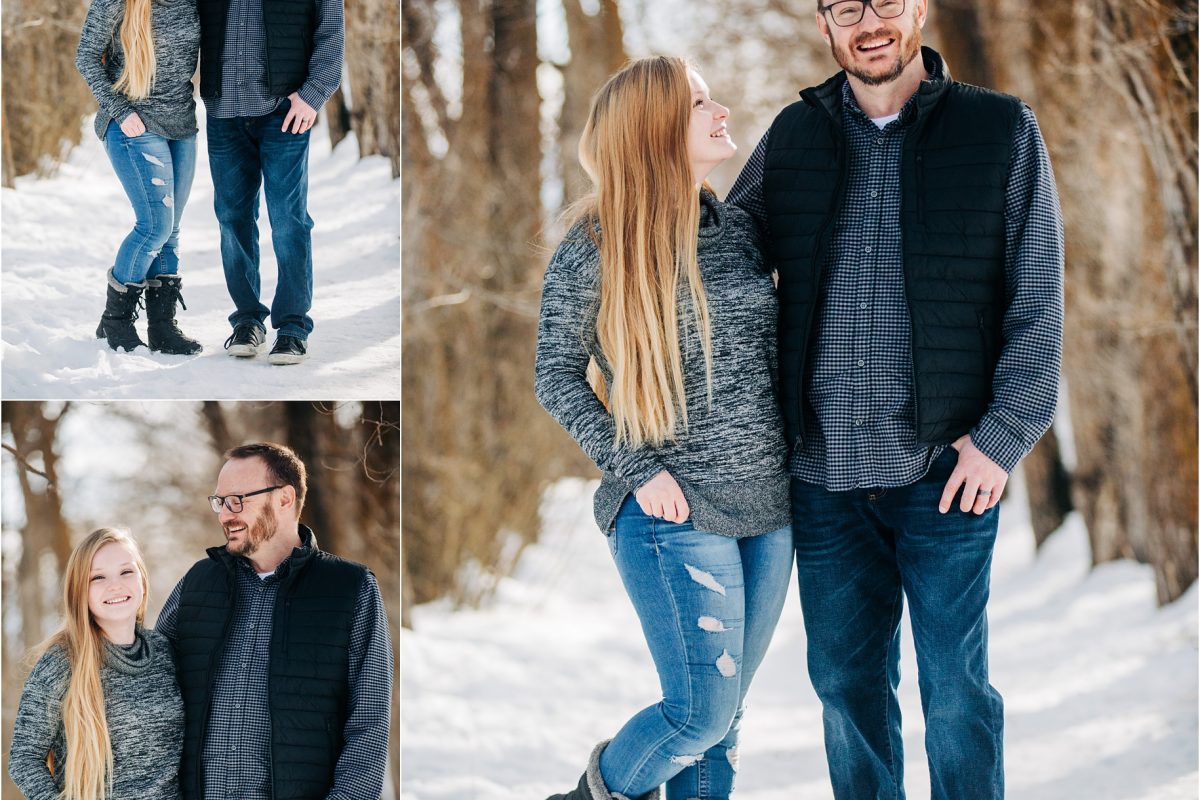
(861, 363)
(233, 748)
(857, 423)
(867, 249)
(874, 194)
(863, 305)
(879, 140)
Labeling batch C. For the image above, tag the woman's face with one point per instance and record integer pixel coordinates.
(708, 140)
(114, 586)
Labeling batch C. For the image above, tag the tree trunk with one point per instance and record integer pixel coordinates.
(597, 51)
(1048, 486)
(373, 75)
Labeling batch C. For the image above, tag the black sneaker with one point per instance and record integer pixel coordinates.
(287, 350)
(245, 340)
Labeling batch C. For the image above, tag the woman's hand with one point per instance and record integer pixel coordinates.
(661, 497)
(132, 126)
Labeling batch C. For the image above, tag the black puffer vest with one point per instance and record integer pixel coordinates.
(954, 171)
(309, 673)
(290, 25)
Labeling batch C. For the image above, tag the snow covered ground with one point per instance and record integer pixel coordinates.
(505, 703)
(60, 235)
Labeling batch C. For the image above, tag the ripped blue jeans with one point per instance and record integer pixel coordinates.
(708, 605)
(156, 174)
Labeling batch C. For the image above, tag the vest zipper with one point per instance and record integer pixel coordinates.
(912, 338)
(920, 170)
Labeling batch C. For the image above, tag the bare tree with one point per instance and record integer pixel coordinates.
(477, 446)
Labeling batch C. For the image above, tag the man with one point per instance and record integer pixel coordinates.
(266, 67)
(915, 226)
(282, 650)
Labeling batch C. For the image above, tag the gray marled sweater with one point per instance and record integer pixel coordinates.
(145, 721)
(170, 109)
(731, 460)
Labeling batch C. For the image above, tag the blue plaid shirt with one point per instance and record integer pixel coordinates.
(244, 90)
(860, 426)
(237, 750)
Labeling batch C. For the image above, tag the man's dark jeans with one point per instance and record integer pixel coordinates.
(244, 153)
(859, 553)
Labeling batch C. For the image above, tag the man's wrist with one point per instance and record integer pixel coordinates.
(311, 96)
(999, 443)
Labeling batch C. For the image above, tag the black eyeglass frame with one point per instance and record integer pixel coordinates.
(217, 502)
(862, 11)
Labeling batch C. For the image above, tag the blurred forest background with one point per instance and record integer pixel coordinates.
(69, 468)
(494, 94)
(45, 99)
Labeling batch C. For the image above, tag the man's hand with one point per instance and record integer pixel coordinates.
(300, 116)
(661, 497)
(132, 126)
(983, 479)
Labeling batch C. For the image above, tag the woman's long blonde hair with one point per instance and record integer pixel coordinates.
(137, 40)
(87, 774)
(647, 205)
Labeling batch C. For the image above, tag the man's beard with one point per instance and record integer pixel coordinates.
(257, 532)
(912, 48)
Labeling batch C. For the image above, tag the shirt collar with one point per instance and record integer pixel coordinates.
(307, 545)
(908, 112)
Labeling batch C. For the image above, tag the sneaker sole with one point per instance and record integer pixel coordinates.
(283, 359)
(243, 350)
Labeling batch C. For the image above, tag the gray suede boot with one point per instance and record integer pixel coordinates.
(591, 785)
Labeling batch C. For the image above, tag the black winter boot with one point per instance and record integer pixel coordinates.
(163, 332)
(120, 311)
(591, 784)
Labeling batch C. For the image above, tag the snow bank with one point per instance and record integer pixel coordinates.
(60, 235)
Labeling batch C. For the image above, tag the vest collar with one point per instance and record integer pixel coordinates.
(830, 95)
(294, 562)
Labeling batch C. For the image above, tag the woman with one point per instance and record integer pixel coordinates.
(138, 57)
(100, 717)
(662, 288)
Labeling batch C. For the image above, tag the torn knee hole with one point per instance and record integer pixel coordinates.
(686, 761)
(158, 182)
(153, 160)
(711, 624)
(705, 579)
(726, 665)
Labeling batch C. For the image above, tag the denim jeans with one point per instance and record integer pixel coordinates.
(156, 174)
(244, 153)
(858, 554)
(708, 605)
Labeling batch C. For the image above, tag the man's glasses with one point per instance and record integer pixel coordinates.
(234, 501)
(847, 13)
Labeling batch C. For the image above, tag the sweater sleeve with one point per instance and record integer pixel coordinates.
(567, 323)
(39, 717)
(98, 28)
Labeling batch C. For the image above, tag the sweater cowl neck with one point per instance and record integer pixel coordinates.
(130, 659)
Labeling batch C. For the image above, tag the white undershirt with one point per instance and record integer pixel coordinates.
(881, 122)
(264, 575)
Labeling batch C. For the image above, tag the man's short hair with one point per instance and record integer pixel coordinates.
(284, 467)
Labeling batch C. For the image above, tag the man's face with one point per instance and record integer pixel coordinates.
(875, 51)
(258, 520)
